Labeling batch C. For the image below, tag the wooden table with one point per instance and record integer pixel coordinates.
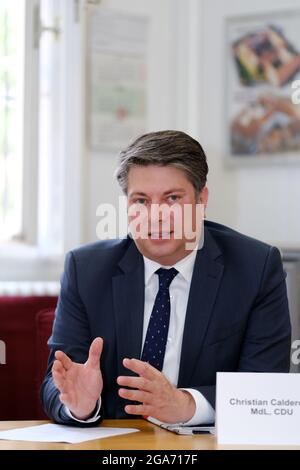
(151, 437)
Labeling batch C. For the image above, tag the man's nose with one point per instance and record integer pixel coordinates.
(158, 212)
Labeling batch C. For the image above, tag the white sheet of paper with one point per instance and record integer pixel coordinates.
(59, 433)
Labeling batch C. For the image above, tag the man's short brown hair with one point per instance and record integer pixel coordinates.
(165, 148)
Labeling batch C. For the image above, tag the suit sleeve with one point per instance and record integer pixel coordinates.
(267, 341)
(71, 334)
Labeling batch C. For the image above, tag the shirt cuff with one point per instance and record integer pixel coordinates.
(204, 414)
(94, 418)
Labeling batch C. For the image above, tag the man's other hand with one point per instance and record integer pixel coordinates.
(158, 397)
(80, 385)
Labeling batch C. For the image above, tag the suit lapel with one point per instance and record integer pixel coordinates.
(128, 297)
(206, 279)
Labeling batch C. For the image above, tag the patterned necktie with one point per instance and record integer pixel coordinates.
(157, 332)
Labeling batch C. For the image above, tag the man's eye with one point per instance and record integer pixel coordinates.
(140, 201)
(173, 198)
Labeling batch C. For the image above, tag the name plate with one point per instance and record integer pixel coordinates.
(258, 408)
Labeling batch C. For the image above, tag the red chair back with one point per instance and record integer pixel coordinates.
(44, 322)
(23, 333)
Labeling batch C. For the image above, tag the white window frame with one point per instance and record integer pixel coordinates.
(28, 235)
(30, 141)
(27, 259)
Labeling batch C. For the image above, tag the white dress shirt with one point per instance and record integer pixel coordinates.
(179, 294)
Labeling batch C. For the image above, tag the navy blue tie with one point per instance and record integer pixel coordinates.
(158, 327)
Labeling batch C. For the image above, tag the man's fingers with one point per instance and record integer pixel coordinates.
(144, 369)
(59, 380)
(59, 374)
(136, 382)
(95, 352)
(65, 399)
(136, 395)
(58, 367)
(143, 410)
(64, 359)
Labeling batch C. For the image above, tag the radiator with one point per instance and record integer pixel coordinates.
(29, 288)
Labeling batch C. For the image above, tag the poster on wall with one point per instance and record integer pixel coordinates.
(117, 47)
(262, 64)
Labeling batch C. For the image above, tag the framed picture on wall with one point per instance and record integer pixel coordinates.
(262, 71)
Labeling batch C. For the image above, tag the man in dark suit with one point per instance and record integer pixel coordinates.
(144, 323)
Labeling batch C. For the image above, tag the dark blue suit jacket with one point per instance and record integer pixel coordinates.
(237, 316)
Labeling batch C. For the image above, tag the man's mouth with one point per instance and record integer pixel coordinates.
(160, 235)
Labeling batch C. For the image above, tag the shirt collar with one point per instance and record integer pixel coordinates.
(185, 267)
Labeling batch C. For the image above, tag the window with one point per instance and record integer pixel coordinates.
(12, 22)
(42, 121)
(31, 164)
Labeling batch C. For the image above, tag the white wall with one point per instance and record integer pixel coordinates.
(100, 185)
(264, 201)
(186, 92)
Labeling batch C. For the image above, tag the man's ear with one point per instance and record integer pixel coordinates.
(203, 196)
